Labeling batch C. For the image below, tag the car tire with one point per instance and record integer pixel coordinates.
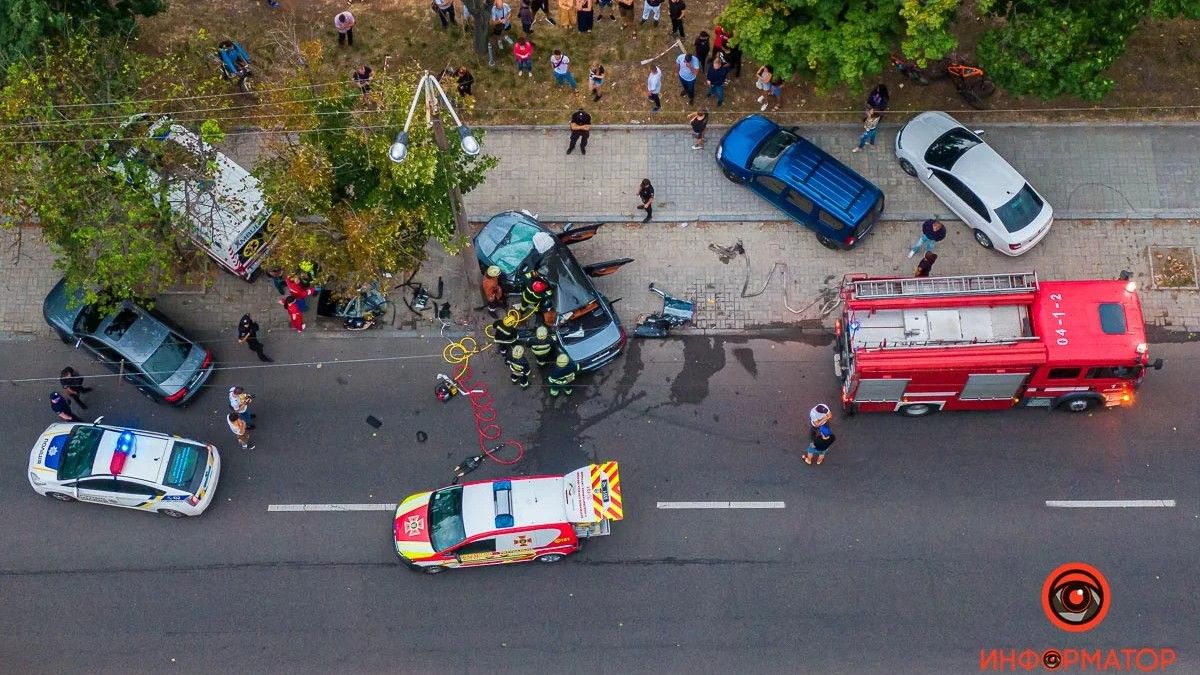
(171, 513)
(66, 340)
(60, 496)
(907, 167)
(982, 239)
(828, 243)
(550, 558)
(733, 177)
(435, 569)
(917, 409)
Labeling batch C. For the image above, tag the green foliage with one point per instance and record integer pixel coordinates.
(61, 131)
(927, 29)
(349, 207)
(25, 25)
(1050, 48)
(835, 40)
(1170, 9)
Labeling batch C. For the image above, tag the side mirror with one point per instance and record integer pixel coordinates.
(567, 227)
(979, 132)
(1158, 364)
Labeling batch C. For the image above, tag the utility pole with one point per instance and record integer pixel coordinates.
(462, 231)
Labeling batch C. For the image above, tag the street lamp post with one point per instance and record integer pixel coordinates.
(429, 86)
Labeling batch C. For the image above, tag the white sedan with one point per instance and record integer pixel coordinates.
(130, 468)
(1003, 211)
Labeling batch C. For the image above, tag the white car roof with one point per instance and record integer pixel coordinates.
(535, 501)
(988, 175)
(224, 209)
(148, 462)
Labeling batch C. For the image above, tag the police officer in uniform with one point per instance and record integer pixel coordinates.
(504, 333)
(562, 375)
(541, 345)
(518, 366)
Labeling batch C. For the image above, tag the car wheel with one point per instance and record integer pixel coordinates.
(907, 167)
(550, 558)
(983, 239)
(732, 176)
(60, 496)
(172, 514)
(1078, 404)
(827, 242)
(436, 569)
(917, 410)
(63, 336)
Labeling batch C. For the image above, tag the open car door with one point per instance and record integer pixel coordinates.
(607, 267)
(573, 235)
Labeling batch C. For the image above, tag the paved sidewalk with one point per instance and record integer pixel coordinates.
(1130, 172)
(1084, 171)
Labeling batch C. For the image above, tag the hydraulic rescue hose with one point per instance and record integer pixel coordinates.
(459, 353)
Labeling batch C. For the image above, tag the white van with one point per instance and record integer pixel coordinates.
(224, 214)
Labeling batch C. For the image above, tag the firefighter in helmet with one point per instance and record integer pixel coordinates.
(562, 375)
(504, 333)
(536, 296)
(541, 345)
(518, 366)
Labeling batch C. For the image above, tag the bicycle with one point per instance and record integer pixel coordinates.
(972, 84)
(910, 70)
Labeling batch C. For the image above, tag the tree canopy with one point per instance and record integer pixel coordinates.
(25, 25)
(350, 209)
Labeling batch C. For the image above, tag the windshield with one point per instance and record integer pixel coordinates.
(185, 468)
(946, 150)
(445, 519)
(165, 360)
(770, 150)
(507, 247)
(572, 287)
(1020, 210)
(80, 452)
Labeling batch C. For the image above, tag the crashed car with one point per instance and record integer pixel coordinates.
(587, 327)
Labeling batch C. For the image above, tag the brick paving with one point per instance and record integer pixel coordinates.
(1143, 174)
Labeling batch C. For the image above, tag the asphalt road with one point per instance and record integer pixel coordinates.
(919, 543)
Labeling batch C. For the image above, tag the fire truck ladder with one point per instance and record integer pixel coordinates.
(971, 284)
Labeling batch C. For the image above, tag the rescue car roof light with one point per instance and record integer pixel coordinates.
(502, 495)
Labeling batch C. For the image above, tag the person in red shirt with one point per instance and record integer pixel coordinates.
(295, 316)
(523, 50)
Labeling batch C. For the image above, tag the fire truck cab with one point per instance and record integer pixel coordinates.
(987, 342)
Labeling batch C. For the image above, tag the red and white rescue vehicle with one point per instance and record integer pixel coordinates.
(543, 518)
(987, 342)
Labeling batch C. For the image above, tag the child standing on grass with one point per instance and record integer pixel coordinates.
(596, 80)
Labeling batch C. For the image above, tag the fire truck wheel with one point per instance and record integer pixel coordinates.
(907, 167)
(917, 410)
(550, 558)
(983, 239)
(1078, 403)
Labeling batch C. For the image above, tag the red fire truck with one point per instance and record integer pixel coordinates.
(986, 342)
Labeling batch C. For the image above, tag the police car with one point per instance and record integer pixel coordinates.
(494, 522)
(130, 468)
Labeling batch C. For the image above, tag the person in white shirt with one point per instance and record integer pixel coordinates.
(654, 87)
(561, 65)
(343, 23)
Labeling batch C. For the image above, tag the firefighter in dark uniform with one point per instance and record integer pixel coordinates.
(518, 366)
(541, 345)
(562, 375)
(504, 333)
(536, 296)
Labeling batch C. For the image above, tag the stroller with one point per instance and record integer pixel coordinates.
(235, 64)
(675, 313)
(365, 310)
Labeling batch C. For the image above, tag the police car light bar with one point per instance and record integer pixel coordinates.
(123, 450)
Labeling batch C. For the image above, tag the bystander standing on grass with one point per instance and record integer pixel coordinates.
(343, 23)
(625, 7)
(718, 73)
(654, 87)
(561, 64)
(701, 47)
(596, 80)
(523, 51)
(676, 9)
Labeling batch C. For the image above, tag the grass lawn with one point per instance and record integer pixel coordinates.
(1160, 68)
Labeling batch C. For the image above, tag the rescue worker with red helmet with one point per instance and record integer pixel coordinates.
(536, 295)
(562, 375)
(541, 345)
(518, 366)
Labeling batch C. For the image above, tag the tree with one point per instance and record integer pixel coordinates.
(838, 41)
(481, 13)
(1050, 48)
(348, 207)
(61, 132)
(25, 25)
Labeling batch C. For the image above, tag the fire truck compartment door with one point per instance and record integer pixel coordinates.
(987, 387)
(880, 390)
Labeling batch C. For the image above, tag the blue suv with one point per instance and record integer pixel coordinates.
(802, 180)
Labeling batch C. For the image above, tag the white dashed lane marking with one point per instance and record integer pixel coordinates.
(1112, 503)
(284, 508)
(721, 505)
